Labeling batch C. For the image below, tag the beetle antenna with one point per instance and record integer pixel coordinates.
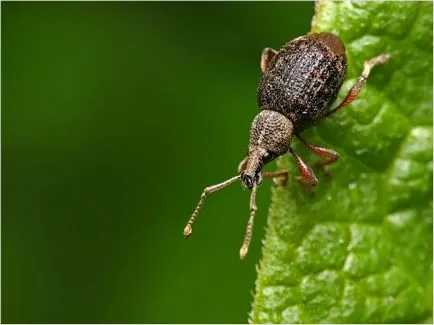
(206, 191)
(249, 232)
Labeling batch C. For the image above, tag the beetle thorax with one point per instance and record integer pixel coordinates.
(270, 137)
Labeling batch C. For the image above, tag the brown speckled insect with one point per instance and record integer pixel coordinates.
(299, 84)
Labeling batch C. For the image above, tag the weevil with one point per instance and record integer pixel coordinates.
(298, 86)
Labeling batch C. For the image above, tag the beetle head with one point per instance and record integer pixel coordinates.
(270, 137)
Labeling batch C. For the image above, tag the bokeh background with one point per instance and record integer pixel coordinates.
(115, 116)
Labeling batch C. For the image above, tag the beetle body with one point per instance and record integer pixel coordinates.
(303, 79)
(298, 86)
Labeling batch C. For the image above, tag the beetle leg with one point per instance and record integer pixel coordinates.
(331, 156)
(267, 55)
(307, 177)
(355, 89)
(242, 165)
(280, 176)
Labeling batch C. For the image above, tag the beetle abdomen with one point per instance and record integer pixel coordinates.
(304, 78)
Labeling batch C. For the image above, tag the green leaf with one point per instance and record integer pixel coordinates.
(360, 249)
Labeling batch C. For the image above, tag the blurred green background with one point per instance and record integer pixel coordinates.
(115, 116)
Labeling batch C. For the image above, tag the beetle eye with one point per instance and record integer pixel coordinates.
(268, 156)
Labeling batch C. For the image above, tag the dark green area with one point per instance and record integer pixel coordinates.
(114, 118)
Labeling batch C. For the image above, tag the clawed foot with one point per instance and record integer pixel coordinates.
(309, 187)
(280, 177)
(281, 181)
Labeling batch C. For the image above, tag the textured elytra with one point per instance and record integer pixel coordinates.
(304, 78)
(360, 249)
